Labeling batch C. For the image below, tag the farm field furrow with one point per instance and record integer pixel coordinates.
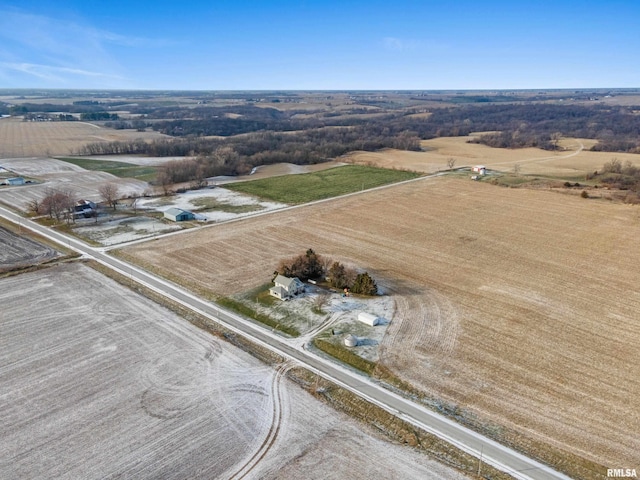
(99, 382)
(35, 139)
(516, 306)
(17, 251)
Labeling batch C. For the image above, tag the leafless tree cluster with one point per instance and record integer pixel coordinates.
(58, 204)
(110, 194)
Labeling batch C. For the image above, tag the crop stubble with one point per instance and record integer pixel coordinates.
(516, 305)
(33, 139)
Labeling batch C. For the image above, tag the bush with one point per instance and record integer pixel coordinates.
(364, 285)
(584, 194)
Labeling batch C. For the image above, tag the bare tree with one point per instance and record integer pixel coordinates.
(34, 206)
(517, 168)
(555, 138)
(59, 204)
(451, 162)
(134, 202)
(110, 194)
(320, 302)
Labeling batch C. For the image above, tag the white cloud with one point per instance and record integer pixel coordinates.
(49, 72)
(62, 52)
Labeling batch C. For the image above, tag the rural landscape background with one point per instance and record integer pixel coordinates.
(500, 227)
(302, 239)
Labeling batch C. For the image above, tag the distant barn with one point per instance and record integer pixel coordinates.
(178, 215)
(15, 181)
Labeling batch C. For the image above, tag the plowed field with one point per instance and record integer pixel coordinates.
(519, 306)
(17, 251)
(35, 139)
(573, 159)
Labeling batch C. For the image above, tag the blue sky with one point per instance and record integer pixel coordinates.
(320, 45)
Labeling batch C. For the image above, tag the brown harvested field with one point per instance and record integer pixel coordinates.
(567, 162)
(37, 139)
(519, 306)
(99, 382)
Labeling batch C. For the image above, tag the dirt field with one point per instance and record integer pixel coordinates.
(56, 174)
(35, 139)
(518, 306)
(568, 162)
(16, 251)
(99, 382)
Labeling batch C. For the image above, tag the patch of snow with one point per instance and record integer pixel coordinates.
(221, 195)
(121, 230)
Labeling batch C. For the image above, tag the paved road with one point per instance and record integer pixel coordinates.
(491, 452)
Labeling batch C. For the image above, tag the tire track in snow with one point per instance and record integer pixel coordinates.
(274, 429)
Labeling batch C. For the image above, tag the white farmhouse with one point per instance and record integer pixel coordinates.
(285, 288)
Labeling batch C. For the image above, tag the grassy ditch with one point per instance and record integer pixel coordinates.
(209, 204)
(308, 187)
(249, 312)
(119, 169)
(345, 355)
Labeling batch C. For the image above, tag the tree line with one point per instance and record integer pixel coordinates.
(238, 155)
(310, 265)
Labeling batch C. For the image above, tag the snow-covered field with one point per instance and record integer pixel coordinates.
(123, 229)
(213, 204)
(99, 382)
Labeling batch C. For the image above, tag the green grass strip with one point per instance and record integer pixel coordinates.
(345, 355)
(119, 169)
(308, 187)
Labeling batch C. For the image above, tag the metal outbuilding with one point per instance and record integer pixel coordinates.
(178, 215)
(369, 319)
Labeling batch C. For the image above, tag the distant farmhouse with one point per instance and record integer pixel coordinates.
(285, 288)
(84, 209)
(178, 215)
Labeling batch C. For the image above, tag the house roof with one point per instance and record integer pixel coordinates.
(286, 282)
(279, 291)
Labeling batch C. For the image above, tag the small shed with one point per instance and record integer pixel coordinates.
(368, 318)
(178, 215)
(15, 181)
(480, 169)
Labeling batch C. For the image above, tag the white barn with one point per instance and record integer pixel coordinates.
(481, 169)
(368, 318)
